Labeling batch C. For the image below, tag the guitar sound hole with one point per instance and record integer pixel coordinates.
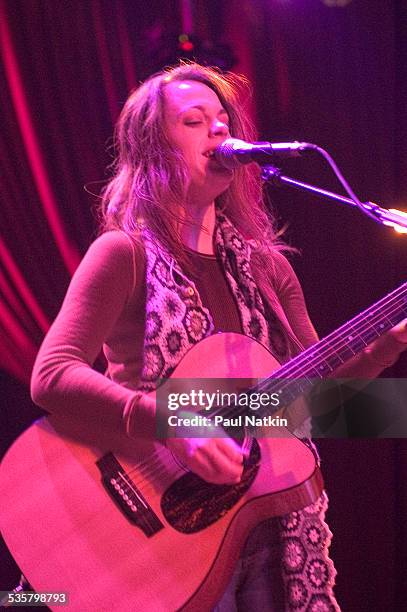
(191, 504)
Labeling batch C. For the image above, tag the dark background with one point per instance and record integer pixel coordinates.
(324, 71)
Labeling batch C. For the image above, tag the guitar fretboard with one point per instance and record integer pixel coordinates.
(320, 360)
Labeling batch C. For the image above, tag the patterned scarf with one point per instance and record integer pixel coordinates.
(176, 319)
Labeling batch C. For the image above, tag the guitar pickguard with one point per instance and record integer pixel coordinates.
(191, 504)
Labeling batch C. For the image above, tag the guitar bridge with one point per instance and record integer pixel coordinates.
(127, 496)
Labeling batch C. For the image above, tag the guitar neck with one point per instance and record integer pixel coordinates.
(320, 360)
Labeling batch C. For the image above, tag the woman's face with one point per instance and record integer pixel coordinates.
(196, 124)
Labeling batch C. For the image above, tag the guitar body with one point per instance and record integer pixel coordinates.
(67, 533)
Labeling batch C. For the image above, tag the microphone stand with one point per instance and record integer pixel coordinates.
(396, 219)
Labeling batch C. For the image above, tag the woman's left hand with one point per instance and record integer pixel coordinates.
(399, 333)
(386, 350)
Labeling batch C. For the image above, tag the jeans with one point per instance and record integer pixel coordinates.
(256, 583)
(285, 566)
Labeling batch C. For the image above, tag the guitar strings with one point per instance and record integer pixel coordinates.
(338, 336)
(129, 488)
(306, 360)
(159, 470)
(329, 341)
(163, 469)
(151, 469)
(151, 461)
(340, 339)
(303, 363)
(312, 356)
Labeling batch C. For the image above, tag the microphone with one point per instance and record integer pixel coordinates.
(234, 152)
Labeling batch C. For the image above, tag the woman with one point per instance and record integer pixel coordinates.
(187, 250)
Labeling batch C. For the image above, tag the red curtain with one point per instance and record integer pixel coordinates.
(67, 69)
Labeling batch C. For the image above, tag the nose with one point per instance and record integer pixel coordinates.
(219, 128)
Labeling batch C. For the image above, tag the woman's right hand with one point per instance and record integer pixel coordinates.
(207, 451)
(218, 459)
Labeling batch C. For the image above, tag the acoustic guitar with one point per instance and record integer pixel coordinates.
(121, 525)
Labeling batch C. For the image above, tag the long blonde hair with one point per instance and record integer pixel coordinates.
(150, 175)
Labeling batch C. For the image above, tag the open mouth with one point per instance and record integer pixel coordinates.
(209, 154)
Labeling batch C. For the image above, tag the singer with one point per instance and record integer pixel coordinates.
(187, 250)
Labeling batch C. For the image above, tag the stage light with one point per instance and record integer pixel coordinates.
(184, 43)
(398, 228)
(167, 48)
